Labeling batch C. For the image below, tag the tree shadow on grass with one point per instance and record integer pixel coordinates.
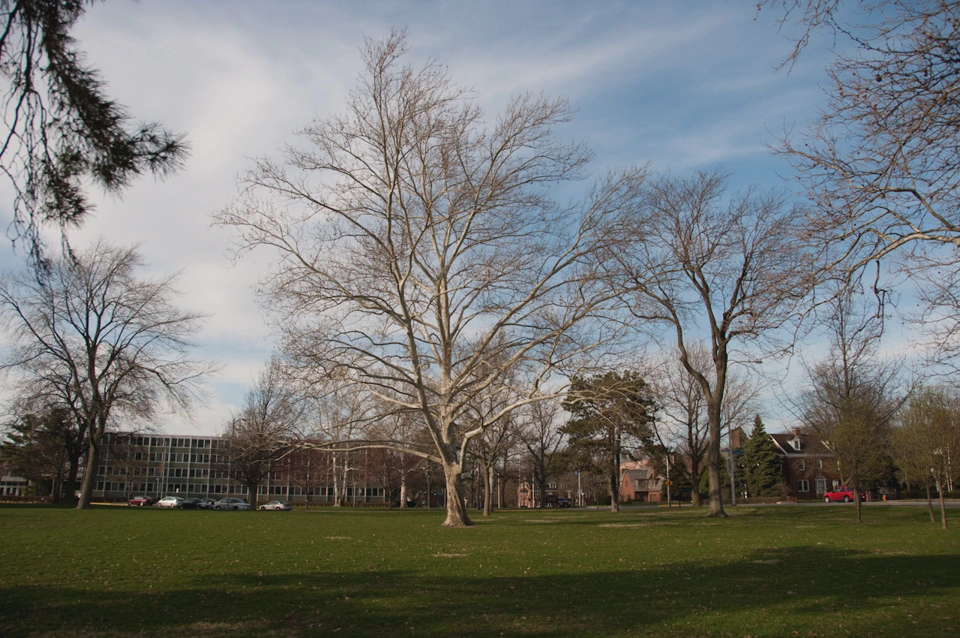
(808, 590)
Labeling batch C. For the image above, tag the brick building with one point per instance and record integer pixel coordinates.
(809, 467)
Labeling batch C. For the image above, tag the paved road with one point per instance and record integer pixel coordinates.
(936, 504)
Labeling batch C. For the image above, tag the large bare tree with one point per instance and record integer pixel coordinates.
(880, 161)
(715, 271)
(415, 243)
(90, 333)
(684, 424)
(542, 439)
(255, 437)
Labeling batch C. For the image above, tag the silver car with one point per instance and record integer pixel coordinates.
(277, 505)
(231, 504)
(169, 501)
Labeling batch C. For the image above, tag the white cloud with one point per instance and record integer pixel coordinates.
(683, 84)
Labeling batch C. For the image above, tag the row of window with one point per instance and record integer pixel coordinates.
(163, 441)
(276, 490)
(802, 464)
(803, 485)
(177, 457)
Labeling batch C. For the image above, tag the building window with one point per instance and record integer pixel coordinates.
(803, 485)
(801, 465)
(796, 444)
(819, 464)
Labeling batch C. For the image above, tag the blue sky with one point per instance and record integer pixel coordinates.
(677, 85)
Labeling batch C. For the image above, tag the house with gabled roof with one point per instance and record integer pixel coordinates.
(809, 466)
(639, 482)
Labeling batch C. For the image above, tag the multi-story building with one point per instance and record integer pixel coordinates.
(196, 466)
(809, 467)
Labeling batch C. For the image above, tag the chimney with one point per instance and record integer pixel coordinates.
(796, 431)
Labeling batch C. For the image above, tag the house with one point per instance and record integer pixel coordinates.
(640, 483)
(809, 467)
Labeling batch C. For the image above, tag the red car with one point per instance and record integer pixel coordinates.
(843, 493)
(142, 501)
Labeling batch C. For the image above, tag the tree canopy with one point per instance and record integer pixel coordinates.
(420, 255)
(611, 416)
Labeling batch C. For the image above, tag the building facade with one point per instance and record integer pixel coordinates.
(195, 466)
(809, 467)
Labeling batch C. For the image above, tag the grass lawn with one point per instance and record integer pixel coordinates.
(766, 571)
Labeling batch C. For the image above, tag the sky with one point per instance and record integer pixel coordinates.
(681, 86)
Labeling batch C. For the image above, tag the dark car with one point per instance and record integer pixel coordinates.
(563, 502)
(193, 504)
(142, 501)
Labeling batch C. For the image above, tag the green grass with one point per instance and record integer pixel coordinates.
(764, 572)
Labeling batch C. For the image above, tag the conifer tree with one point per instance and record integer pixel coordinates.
(763, 464)
(63, 131)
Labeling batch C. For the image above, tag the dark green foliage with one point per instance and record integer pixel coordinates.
(62, 129)
(763, 466)
(45, 447)
(611, 415)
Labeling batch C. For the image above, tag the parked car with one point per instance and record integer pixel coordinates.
(231, 504)
(169, 501)
(276, 505)
(141, 501)
(193, 504)
(843, 493)
(210, 502)
(563, 502)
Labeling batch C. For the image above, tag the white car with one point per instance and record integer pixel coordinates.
(169, 501)
(277, 505)
(231, 504)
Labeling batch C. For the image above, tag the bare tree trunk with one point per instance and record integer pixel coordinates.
(456, 508)
(337, 500)
(614, 493)
(857, 503)
(502, 485)
(696, 473)
(89, 474)
(487, 490)
(403, 490)
(943, 507)
(930, 504)
(252, 495)
(713, 462)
